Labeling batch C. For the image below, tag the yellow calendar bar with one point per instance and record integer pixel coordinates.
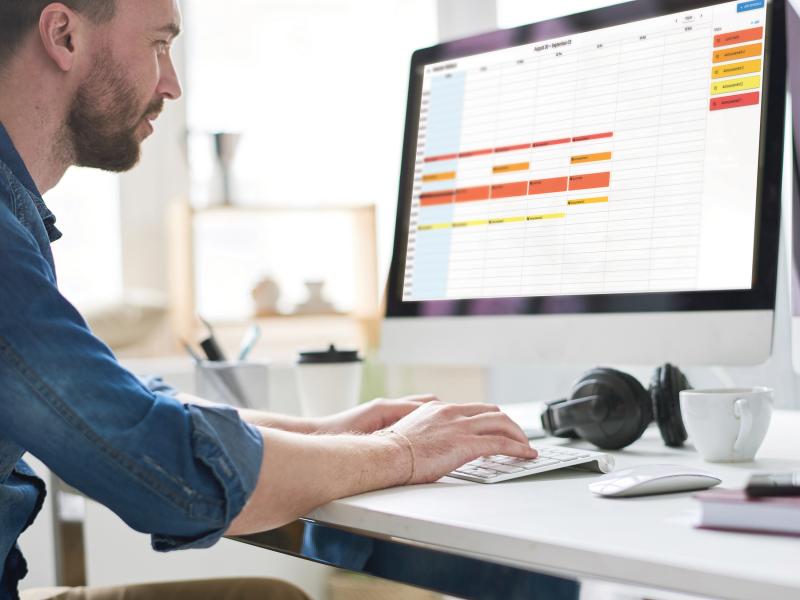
(735, 85)
(740, 68)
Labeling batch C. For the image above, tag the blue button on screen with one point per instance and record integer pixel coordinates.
(751, 5)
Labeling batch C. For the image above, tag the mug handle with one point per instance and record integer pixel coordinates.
(743, 412)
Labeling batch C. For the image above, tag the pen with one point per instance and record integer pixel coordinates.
(251, 337)
(191, 351)
(210, 345)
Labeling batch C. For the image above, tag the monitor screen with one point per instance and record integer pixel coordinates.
(611, 156)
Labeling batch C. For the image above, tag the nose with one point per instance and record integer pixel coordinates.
(169, 86)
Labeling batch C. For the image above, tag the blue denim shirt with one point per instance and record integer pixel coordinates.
(178, 472)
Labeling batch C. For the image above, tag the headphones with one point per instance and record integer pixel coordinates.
(611, 409)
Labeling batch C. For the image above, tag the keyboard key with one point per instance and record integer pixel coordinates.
(505, 468)
(485, 473)
(490, 469)
(537, 462)
(471, 469)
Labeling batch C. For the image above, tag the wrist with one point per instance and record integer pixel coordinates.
(278, 421)
(401, 456)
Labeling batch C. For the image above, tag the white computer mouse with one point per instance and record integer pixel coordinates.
(652, 479)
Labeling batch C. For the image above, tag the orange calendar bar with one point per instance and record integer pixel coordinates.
(471, 194)
(738, 37)
(522, 166)
(749, 51)
(439, 176)
(589, 181)
(585, 158)
(509, 190)
(434, 198)
(548, 186)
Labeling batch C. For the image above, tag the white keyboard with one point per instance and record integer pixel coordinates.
(491, 469)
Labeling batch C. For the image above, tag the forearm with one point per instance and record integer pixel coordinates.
(260, 418)
(301, 472)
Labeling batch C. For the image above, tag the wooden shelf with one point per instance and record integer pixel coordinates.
(357, 328)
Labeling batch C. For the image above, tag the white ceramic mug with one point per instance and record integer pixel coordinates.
(727, 425)
(328, 381)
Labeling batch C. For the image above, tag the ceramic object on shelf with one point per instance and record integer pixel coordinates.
(225, 145)
(266, 294)
(316, 303)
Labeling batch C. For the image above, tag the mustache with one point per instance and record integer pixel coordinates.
(154, 108)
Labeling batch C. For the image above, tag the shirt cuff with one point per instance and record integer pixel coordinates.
(157, 385)
(233, 451)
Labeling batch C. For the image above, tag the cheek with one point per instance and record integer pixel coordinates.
(153, 74)
(144, 76)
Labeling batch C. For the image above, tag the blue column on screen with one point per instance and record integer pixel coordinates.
(443, 136)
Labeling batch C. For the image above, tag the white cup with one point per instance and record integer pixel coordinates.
(329, 381)
(727, 425)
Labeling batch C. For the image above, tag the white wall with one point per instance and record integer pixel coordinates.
(460, 18)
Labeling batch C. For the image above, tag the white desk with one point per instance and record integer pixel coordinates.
(552, 524)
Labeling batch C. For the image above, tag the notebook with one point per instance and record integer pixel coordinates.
(734, 510)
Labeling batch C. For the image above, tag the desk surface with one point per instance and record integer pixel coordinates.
(551, 523)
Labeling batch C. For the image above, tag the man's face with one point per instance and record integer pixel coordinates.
(130, 76)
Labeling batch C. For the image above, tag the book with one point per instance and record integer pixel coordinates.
(734, 510)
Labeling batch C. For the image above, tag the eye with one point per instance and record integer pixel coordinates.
(162, 47)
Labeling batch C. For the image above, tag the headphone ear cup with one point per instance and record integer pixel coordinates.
(665, 387)
(625, 403)
(643, 397)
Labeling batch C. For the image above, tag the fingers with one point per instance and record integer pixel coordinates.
(419, 398)
(498, 444)
(394, 410)
(498, 423)
(471, 409)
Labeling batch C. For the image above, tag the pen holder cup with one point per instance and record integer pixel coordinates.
(242, 384)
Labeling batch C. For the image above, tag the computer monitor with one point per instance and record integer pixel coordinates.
(601, 187)
(793, 178)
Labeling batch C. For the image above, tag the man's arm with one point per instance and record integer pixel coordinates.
(257, 417)
(301, 472)
(178, 471)
(364, 418)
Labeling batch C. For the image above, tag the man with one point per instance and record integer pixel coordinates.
(81, 82)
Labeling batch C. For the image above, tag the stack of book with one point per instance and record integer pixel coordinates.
(734, 510)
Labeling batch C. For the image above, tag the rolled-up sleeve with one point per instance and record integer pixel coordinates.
(155, 383)
(179, 472)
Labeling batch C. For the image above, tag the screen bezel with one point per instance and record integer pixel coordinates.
(793, 70)
(760, 297)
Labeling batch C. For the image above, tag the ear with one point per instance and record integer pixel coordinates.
(57, 27)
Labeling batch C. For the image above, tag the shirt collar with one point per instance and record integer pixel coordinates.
(10, 156)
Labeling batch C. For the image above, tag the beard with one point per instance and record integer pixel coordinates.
(103, 120)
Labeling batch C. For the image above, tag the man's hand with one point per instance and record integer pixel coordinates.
(446, 436)
(370, 416)
(364, 418)
(300, 472)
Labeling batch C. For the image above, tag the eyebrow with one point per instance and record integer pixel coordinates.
(172, 29)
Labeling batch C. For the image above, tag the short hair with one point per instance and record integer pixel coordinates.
(19, 17)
